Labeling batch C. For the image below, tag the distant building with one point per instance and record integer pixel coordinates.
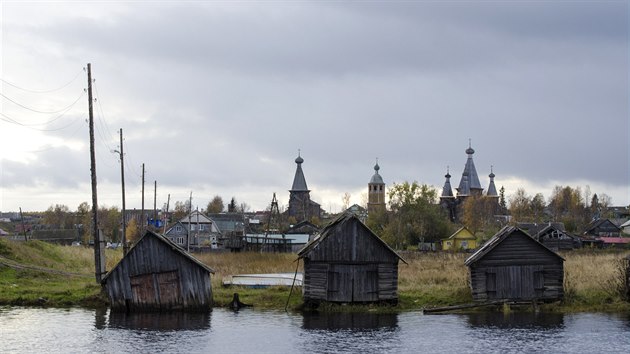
(376, 192)
(469, 186)
(461, 239)
(301, 207)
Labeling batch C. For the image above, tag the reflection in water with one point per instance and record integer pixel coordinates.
(332, 321)
(350, 332)
(516, 320)
(160, 321)
(37, 330)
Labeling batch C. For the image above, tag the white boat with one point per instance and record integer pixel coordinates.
(263, 280)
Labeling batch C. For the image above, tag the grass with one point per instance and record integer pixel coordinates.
(593, 279)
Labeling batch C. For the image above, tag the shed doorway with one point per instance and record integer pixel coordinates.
(155, 288)
(353, 283)
(515, 282)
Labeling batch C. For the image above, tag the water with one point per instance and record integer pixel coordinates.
(252, 331)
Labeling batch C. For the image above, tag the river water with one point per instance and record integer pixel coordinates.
(36, 330)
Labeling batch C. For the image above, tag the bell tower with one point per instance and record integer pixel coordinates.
(376, 191)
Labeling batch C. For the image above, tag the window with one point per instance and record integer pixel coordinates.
(178, 228)
(180, 240)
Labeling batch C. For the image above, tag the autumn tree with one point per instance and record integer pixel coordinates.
(478, 213)
(567, 205)
(109, 222)
(520, 208)
(180, 210)
(133, 231)
(415, 215)
(215, 205)
(58, 217)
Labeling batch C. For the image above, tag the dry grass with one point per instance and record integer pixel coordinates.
(592, 278)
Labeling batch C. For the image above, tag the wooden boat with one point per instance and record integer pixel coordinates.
(263, 280)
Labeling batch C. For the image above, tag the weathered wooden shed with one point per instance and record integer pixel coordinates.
(512, 266)
(348, 263)
(157, 275)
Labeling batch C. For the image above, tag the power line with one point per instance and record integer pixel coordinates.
(38, 111)
(43, 91)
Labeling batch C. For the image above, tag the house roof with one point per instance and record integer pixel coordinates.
(598, 223)
(615, 240)
(196, 217)
(460, 232)
(497, 239)
(168, 243)
(329, 230)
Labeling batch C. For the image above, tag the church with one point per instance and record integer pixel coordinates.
(469, 186)
(301, 207)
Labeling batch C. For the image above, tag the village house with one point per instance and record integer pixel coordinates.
(462, 239)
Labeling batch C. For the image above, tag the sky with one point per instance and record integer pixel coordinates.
(219, 97)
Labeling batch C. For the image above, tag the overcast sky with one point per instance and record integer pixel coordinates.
(217, 97)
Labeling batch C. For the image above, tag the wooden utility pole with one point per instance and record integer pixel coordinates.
(23, 227)
(142, 221)
(189, 212)
(99, 254)
(168, 200)
(154, 203)
(122, 178)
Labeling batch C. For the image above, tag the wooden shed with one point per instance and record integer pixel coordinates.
(157, 275)
(348, 263)
(512, 266)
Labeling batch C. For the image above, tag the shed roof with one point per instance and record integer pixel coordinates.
(174, 247)
(345, 217)
(500, 237)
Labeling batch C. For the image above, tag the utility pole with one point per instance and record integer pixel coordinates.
(154, 203)
(144, 224)
(189, 212)
(99, 254)
(168, 200)
(122, 178)
(23, 228)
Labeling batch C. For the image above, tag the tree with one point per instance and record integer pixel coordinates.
(567, 206)
(232, 206)
(478, 213)
(502, 204)
(58, 217)
(520, 206)
(180, 210)
(415, 216)
(537, 208)
(345, 199)
(133, 232)
(215, 206)
(109, 221)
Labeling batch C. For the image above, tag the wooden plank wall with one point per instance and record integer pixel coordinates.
(517, 269)
(177, 282)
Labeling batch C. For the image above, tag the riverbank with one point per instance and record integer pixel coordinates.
(41, 274)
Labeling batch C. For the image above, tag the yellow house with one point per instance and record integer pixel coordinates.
(462, 239)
